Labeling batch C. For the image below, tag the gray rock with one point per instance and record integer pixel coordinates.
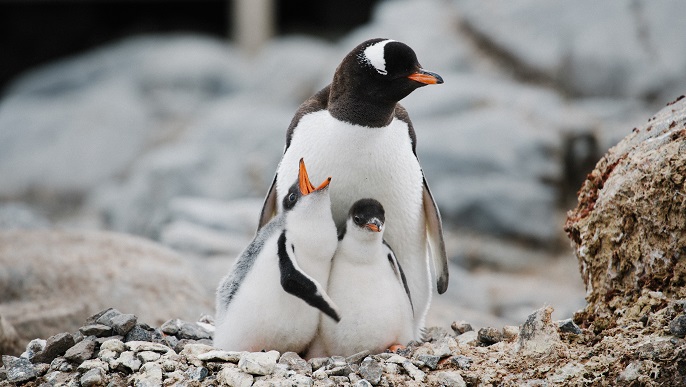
(127, 362)
(193, 331)
(363, 383)
(489, 336)
(150, 375)
(294, 362)
(677, 326)
(61, 364)
(97, 330)
(123, 323)
(430, 361)
(357, 358)
(371, 370)
(18, 369)
(335, 362)
(220, 355)
(171, 327)
(461, 327)
(139, 346)
(447, 378)
(139, 333)
(463, 362)
(258, 363)
(569, 326)
(197, 373)
(318, 362)
(82, 351)
(434, 333)
(90, 364)
(115, 345)
(32, 348)
(55, 346)
(93, 377)
(414, 372)
(234, 377)
(468, 338)
(147, 356)
(538, 336)
(104, 317)
(140, 270)
(340, 380)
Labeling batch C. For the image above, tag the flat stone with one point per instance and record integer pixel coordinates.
(138, 346)
(106, 316)
(339, 371)
(461, 361)
(97, 330)
(82, 351)
(55, 346)
(147, 356)
(93, 363)
(447, 378)
(443, 347)
(234, 377)
(430, 361)
(93, 377)
(191, 349)
(192, 331)
(296, 363)
(220, 355)
(357, 358)
(414, 372)
(468, 338)
(299, 380)
(259, 363)
(18, 369)
(371, 370)
(123, 323)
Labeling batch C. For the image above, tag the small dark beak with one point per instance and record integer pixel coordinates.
(426, 77)
(304, 183)
(374, 225)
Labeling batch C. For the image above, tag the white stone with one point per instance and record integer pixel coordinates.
(259, 363)
(234, 377)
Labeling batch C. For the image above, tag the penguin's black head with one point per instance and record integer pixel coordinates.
(386, 69)
(368, 214)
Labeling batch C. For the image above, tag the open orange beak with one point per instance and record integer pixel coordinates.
(426, 77)
(304, 183)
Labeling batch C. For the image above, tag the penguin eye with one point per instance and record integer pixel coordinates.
(292, 197)
(357, 219)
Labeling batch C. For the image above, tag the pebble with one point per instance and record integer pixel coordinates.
(114, 345)
(448, 378)
(294, 362)
(414, 372)
(82, 351)
(363, 383)
(510, 332)
(258, 363)
(298, 380)
(371, 370)
(318, 362)
(148, 356)
(461, 361)
(150, 376)
(127, 360)
(442, 347)
(489, 336)
(61, 364)
(468, 338)
(18, 369)
(430, 361)
(357, 358)
(97, 330)
(53, 347)
(123, 323)
(138, 333)
(461, 327)
(220, 355)
(677, 327)
(93, 377)
(197, 373)
(234, 377)
(138, 346)
(90, 364)
(569, 326)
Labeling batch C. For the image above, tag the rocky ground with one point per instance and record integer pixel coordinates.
(148, 136)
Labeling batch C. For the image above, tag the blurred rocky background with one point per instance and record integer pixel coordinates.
(167, 121)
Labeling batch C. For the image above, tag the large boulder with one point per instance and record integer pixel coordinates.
(629, 228)
(51, 281)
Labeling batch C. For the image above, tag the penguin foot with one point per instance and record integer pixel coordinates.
(396, 347)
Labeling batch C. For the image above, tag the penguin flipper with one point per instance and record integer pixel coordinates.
(434, 229)
(269, 206)
(296, 282)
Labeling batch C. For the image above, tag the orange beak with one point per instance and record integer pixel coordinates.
(374, 225)
(304, 183)
(426, 77)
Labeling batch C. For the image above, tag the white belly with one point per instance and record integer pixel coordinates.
(367, 163)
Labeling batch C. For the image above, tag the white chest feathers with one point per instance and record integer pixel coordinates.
(363, 163)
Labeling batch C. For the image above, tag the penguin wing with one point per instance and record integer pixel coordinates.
(317, 102)
(399, 273)
(296, 282)
(230, 284)
(434, 228)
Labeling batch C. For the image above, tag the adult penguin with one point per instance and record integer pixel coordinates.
(355, 129)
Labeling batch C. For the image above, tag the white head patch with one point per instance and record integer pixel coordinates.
(374, 55)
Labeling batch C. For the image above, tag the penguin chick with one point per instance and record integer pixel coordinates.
(356, 130)
(272, 297)
(369, 286)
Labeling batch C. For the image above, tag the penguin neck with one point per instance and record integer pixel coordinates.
(347, 103)
(312, 230)
(361, 246)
